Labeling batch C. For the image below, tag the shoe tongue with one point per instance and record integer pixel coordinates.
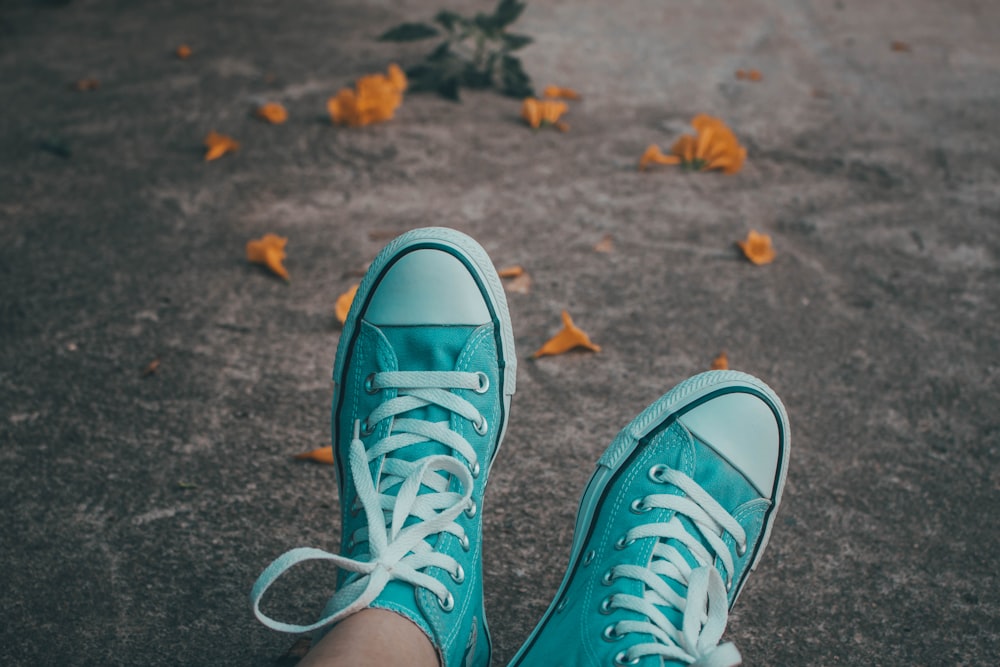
(426, 348)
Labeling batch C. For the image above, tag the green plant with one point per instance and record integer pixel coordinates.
(476, 52)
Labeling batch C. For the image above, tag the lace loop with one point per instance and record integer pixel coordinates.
(396, 549)
(704, 607)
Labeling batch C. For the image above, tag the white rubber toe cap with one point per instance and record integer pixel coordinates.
(427, 287)
(742, 429)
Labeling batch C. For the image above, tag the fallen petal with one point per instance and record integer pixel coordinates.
(269, 250)
(319, 455)
(273, 113)
(511, 271)
(720, 363)
(568, 338)
(606, 244)
(218, 145)
(653, 155)
(561, 92)
(343, 305)
(757, 248)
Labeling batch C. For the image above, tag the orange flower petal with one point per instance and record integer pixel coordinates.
(84, 85)
(606, 244)
(511, 271)
(397, 77)
(343, 305)
(568, 338)
(319, 455)
(218, 145)
(273, 113)
(561, 92)
(754, 75)
(720, 363)
(183, 52)
(151, 368)
(269, 250)
(531, 112)
(757, 248)
(714, 147)
(543, 112)
(374, 99)
(653, 155)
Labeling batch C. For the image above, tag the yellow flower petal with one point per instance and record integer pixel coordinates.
(560, 92)
(319, 455)
(714, 147)
(511, 271)
(568, 338)
(720, 363)
(343, 305)
(374, 99)
(218, 145)
(269, 250)
(654, 155)
(273, 113)
(757, 248)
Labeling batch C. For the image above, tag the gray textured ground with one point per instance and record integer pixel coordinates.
(137, 511)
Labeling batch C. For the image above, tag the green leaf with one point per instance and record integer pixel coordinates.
(512, 42)
(488, 24)
(440, 54)
(507, 12)
(423, 78)
(476, 78)
(513, 79)
(408, 32)
(448, 89)
(450, 20)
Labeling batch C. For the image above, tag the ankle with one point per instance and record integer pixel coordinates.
(374, 638)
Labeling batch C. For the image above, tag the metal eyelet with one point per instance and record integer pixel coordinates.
(474, 469)
(366, 430)
(605, 607)
(611, 635)
(481, 426)
(471, 510)
(463, 542)
(622, 659)
(656, 471)
(458, 576)
(370, 387)
(623, 543)
(355, 509)
(741, 550)
(562, 605)
(484, 383)
(589, 558)
(608, 578)
(639, 507)
(448, 603)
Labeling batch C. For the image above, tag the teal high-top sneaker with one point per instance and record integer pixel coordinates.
(423, 380)
(674, 519)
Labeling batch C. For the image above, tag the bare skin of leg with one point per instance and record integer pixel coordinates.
(373, 638)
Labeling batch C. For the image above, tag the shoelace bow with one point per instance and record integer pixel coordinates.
(397, 551)
(705, 608)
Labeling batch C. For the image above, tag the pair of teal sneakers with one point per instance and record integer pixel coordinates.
(675, 517)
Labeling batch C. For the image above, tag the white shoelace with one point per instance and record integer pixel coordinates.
(397, 551)
(705, 608)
